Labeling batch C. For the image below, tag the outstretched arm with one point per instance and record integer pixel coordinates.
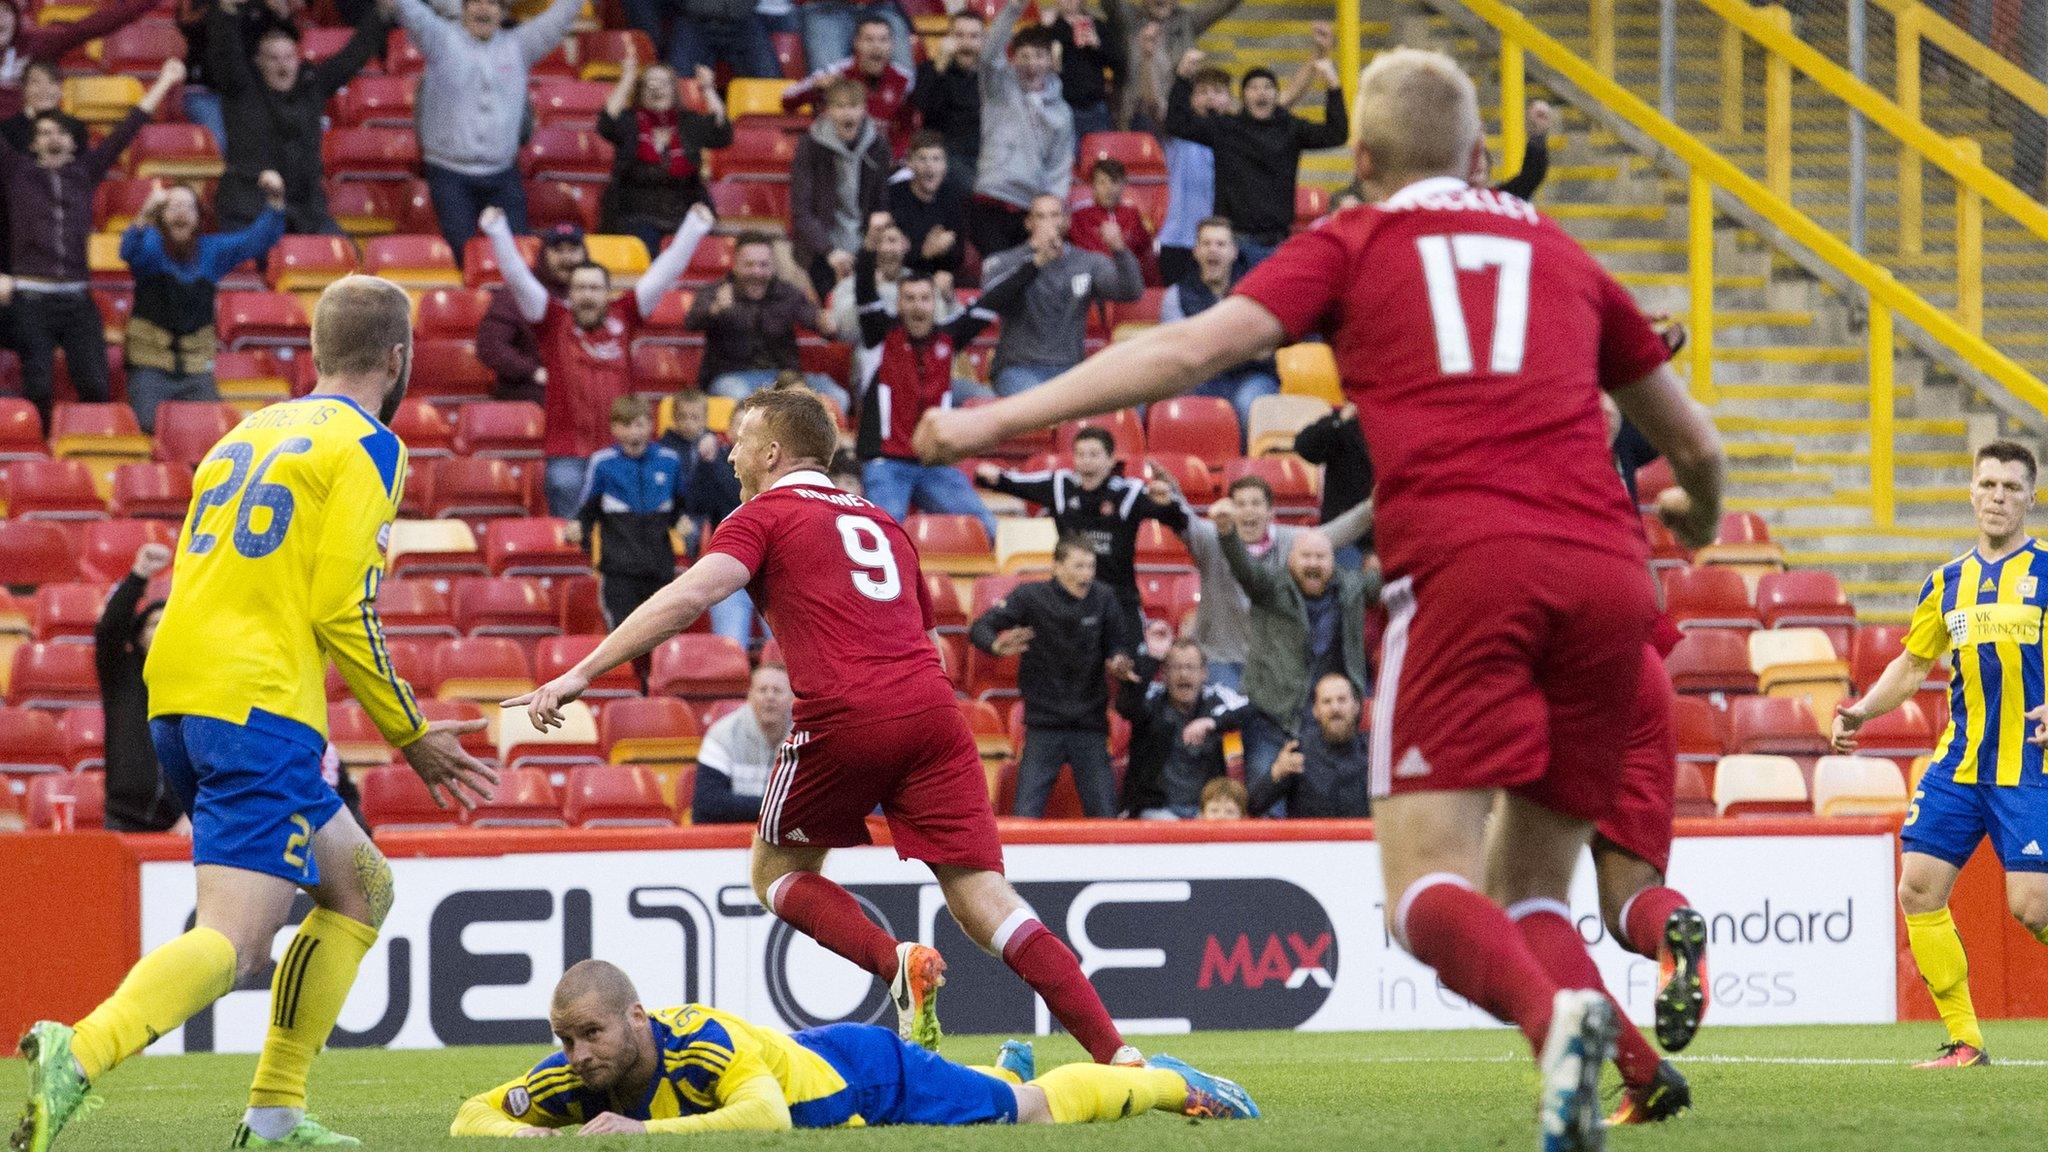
(526, 288)
(669, 266)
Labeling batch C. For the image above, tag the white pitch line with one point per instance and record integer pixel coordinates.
(1819, 1061)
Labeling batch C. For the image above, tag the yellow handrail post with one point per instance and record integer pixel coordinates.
(1969, 246)
(1514, 98)
(1778, 112)
(1348, 47)
(1603, 36)
(1906, 71)
(1731, 80)
(1883, 501)
(1700, 280)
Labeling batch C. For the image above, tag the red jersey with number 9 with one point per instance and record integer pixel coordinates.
(838, 582)
(1475, 336)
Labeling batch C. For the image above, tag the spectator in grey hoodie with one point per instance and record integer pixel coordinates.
(1044, 335)
(1027, 133)
(838, 178)
(472, 105)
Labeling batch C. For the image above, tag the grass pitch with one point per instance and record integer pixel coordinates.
(1785, 1089)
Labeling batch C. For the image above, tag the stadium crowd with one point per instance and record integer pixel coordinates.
(601, 208)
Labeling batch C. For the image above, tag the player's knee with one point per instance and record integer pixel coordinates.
(2030, 908)
(1917, 897)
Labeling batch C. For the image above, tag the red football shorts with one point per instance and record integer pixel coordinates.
(1515, 666)
(922, 769)
(1640, 821)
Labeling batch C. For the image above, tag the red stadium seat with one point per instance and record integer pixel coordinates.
(428, 433)
(1701, 738)
(698, 666)
(30, 743)
(1159, 547)
(117, 201)
(990, 676)
(262, 320)
(957, 545)
(478, 743)
(571, 154)
(318, 43)
(522, 798)
(21, 430)
(416, 608)
(600, 56)
(395, 799)
(1742, 528)
(414, 501)
(68, 613)
(508, 429)
(1123, 427)
(616, 796)
(85, 791)
(1808, 596)
(1900, 735)
(108, 547)
(186, 430)
(1775, 725)
(555, 655)
(553, 202)
(52, 490)
(174, 152)
(577, 606)
(480, 260)
(33, 553)
(503, 606)
(83, 732)
(657, 729)
(1194, 478)
(1169, 595)
(141, 48)
(371, 153)
(1142, 158)
(532, 546)
(1297, 489)
(1665, 550)
(789, 55)
(376, 102)
(667, 367)
(1201, 426)
(1311, 203)
(53, 676)
(409, 659)
(481, 668)
(568, 104)
(449, 369)
(100, 430)
(355, 736)
(1708, 597)
(754, 204)
(451, 314)
(757, 152)
(1711, 660)
(414, 261)
(1693, 791)
(1651, 480)
(363, 208)
(309, 263)
(947, 609)
(153, 490)
(1143, 310)
(467, 488)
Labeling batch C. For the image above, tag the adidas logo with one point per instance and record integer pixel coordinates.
(1987, 585)
(796, 834)
(1412, 765)
(2033, 848)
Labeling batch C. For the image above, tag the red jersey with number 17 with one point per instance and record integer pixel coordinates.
(838, 581)
(1475, 336)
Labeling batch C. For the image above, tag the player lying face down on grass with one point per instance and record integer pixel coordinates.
(625, 1070)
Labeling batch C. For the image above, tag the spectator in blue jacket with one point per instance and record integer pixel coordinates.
(710, 493)
(632, 498)
(171, 342)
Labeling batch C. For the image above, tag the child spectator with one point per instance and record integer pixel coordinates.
(1107, 180)
(1225, 799)
(657, 149)
(710, 493)
(632, 498)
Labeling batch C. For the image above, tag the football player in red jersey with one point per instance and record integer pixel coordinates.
(875, 721)
(1475, 337)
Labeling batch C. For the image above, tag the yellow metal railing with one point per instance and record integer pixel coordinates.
(1710, 172)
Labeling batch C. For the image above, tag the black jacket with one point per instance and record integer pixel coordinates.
(647, 191)
(948, 99)
(1163, 772)
(1339, 446)
(917, 219)
(711, 491)
(138, 800)
(1109, 517)
(1082, 80)
(1332, 783)
(1061, 675)
(1258, 162)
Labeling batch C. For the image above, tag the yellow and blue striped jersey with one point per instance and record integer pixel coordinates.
(707, 1058)
(276, 573)
(1989, 614)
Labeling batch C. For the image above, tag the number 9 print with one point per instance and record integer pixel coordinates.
(875, 575)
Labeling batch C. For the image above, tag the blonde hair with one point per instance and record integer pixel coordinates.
(356, 323)
(1417, 116)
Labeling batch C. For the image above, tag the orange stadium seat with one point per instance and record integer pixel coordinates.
(186, 430)
(376, 102)
(699, 666)
(31, 743)
(154, 490)
(479, 487)
(262, 320)
(1810, 597)
(108, 547)
(33, 552)
(413, 261)
(415, 608)
(1159, 547)
(21, 430)
(409, 659)
(553, 202)
(522, 798)
(67, 613)
(1775, 725)
(371, 153)
(1708, 597)
(577, 607)
(117, 201)
(451, 314)
(1697, 724)
(83, 731)
(485, 669)
(532, 546)
(756, 204)
(757, 152)
(555, 655)
(1142, 158)
(503, 606)
(309, 263)
(141, 48)
(572, 154)
(87, 792)
(653, 730)
(1201, 426)
(955, 545)
(428, 433)
(615, 796)
(395, 799)
(50, 675)
(174, 152)
(52, 490)
(449, 369)
(480, 260)
(508, 429)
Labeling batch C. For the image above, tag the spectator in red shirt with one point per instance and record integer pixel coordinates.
(887, 83)
(504, 340)
(585, 344)
(657, 150)
(1109, 179)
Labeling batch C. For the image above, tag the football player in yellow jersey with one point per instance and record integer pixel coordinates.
(276, 575)
(625, 1070)
(1986, 607)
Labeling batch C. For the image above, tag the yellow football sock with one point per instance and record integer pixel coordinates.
(1088, 1093)
(162, 991)
(1938, 950)
(1003, 1074)
(305, 999)
(2042, 934)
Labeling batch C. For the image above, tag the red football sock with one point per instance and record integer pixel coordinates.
(1547, 927)
(1644, 919)
(1050, 967)
(1477, 953)
(829, 914)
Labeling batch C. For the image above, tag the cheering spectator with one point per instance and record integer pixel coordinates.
(1027, 134)
(258, 18)
(706, 32)
(505, 342)
(49, 191)
(19, 43)
(472, 106)
(1091, 503)
(1336, 443)
(657, 145)
(832, 30)
(888, 249)
(749, 321)
(138, 799)
(1258, 150)
(1091, 55)
(1323, 772)
(1090, 229)
(1046, 334)
(1225, 799)
(42, 94)
(839, 177)
(1307, 621)
(947, 97)
(929, 207)
(884, 84)
(1070, 632)
(633, 496)
(170, 342)
(740, 750)
(1177, 725)
(1190, 179)
(909, 368)
(1174, 30)
(1214, 274)
(274, 107)
(584, 344)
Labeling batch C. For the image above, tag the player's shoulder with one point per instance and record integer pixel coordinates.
(692, 1025)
